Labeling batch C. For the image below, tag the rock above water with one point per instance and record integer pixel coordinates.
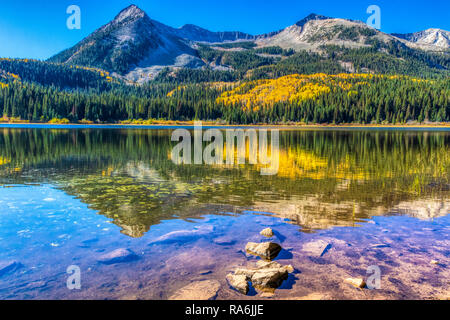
(266, 250)
(268, 232)
(9, 266)
(317, 248)
(269, 278)
(267, 275)
(118, 256)
(248, 273)
(239, 282)
(272, 265)
(356, 282)
(199, 290)
(270, 275)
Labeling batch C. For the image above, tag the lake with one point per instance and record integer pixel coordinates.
(69, 196)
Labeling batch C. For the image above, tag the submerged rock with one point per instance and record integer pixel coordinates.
(317, 248)
(88, 243)
(196, 258)
(9, 266)
(356, 282)
(239, 282)
(310, 297)
(184, 235)
(266, 250)
(268, 232)
(118, 256)
(199, 290)
(37, 285)
(224, 241)
(380, 245)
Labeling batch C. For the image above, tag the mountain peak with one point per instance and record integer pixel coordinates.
(430, 37)
(130, 12)
(312, 16)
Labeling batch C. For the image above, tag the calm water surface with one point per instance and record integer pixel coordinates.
(67, 196)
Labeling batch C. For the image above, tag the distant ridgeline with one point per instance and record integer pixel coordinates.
(383, 83)
(319, 70)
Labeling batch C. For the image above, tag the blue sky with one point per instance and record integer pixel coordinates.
(37, 29)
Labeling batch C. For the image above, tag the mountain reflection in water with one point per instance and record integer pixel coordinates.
(327, 178)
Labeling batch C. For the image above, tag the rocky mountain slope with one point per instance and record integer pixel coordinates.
(132, 41)
(137, 48)
(195, 33)
(430, 39)
(316, 30)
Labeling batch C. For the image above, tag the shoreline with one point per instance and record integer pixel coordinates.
(207, 124)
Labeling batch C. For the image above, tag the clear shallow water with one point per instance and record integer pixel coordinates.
(69, 196)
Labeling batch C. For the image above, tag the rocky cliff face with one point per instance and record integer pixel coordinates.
(194, 33)
(316, 30)
(137, 48)
(428, 39)
(131, 41)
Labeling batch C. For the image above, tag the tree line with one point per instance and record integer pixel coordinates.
(385, 100)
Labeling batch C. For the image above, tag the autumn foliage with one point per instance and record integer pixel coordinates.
(294, 89)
